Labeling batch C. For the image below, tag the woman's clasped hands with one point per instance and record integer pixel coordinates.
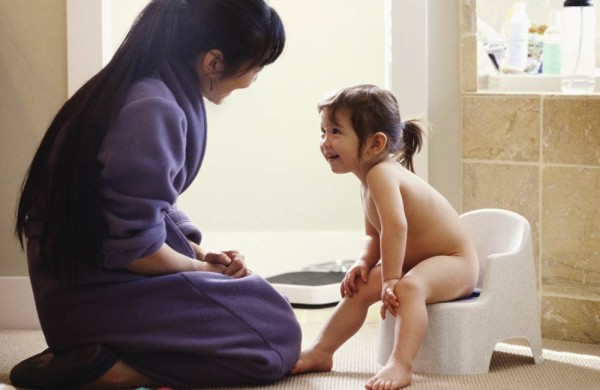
(230, 263)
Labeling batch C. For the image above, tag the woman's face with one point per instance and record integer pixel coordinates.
(213, 86)
(222, 88)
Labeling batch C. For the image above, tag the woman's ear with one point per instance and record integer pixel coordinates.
(378, 142)
(212, 64)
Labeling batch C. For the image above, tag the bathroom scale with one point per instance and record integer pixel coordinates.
(313, 287)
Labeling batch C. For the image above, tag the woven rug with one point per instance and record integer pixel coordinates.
(567, 365)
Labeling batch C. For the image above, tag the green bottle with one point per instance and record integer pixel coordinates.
(551, 51)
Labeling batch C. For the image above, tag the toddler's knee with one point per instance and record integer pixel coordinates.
(409, 288)
(368, 292)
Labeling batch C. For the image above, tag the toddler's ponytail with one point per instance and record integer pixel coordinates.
(412, 137)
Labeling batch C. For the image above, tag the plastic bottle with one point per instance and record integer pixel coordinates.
(551, 50)
(578, 52)
(517, 30)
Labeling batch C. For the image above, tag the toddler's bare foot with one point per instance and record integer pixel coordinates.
(393, 376)
(313, 359)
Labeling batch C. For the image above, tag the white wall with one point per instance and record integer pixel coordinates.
(263, 176)
(275, 194)
(263, 170)
(122, 14)
(297, 212)
(269, 178)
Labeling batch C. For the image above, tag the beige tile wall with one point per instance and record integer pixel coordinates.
(539, 155)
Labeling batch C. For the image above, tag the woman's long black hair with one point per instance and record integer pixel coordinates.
(62, 180)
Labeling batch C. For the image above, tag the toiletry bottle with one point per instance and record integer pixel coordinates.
(578, 58)
(551, 50)
(516, 45)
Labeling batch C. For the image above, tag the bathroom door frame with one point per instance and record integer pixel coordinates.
(407, 64)
(423, 69)
(88, 40)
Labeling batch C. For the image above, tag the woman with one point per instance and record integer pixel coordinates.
(113, 263)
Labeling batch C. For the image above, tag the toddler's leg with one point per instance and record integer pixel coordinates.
(437, 279)
(410, 330)
(345, 321)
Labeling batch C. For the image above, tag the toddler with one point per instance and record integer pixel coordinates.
(416, 250)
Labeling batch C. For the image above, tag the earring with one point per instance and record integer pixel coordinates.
(210, 84)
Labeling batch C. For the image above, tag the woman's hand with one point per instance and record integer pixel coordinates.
(230, 263)
(359, 270)
(389, 302)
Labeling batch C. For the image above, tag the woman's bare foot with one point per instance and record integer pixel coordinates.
(313, 359)
(393, 376)
(121, 375)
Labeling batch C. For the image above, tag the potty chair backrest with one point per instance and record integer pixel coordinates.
(495, 231)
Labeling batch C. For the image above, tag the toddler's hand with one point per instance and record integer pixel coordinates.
(389, 302)
(359, 270)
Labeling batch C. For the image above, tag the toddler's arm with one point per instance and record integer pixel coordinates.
(367, 259)
(386, 195)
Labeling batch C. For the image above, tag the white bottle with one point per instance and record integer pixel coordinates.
(578, 51)
(551, 50)
(517, 31)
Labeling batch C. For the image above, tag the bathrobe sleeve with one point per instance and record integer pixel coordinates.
(143, 160)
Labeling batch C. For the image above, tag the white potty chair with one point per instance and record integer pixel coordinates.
(462, 334)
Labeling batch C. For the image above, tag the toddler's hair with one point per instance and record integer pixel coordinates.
(372, 110)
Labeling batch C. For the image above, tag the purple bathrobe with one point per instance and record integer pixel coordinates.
(190, 329)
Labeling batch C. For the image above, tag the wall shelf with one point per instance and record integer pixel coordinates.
(523, 83)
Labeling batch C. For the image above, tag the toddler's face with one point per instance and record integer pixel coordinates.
(339, 142)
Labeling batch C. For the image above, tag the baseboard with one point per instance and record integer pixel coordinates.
(17, 305)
